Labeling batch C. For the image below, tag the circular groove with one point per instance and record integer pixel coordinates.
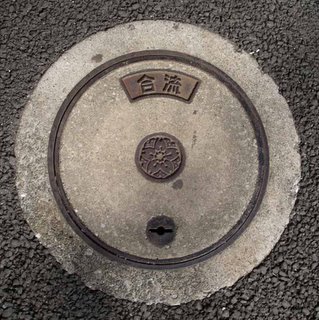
(66, 207)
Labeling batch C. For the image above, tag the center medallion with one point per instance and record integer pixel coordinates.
(159, 156)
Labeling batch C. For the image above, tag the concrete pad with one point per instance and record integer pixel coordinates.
(115, 201)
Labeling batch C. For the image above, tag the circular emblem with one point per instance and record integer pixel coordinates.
(159, 156)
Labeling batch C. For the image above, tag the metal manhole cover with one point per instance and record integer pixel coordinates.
(159, 157)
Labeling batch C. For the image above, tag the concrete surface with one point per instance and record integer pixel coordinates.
(171, 287)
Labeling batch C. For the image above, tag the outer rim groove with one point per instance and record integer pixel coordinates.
(66, 207)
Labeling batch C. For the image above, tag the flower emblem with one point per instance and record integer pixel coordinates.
(159, 156)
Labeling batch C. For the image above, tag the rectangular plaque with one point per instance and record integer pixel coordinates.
(161, 83)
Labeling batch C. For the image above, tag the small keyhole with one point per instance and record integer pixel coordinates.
(161, 230)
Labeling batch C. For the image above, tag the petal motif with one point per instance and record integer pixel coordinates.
(167, 167)
(153, 167)
(148, 154)
(160, 144)
(171, 153)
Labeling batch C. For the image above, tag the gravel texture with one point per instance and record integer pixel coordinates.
(284, 38)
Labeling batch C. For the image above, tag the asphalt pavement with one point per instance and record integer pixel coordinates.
(282, 35)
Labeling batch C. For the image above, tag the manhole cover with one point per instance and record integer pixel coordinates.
(163, 155)
(97, 136)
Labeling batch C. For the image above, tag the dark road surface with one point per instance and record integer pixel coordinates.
(284, 38)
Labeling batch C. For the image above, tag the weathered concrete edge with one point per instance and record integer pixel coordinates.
(32, 139)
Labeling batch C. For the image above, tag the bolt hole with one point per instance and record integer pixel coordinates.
(161, 230)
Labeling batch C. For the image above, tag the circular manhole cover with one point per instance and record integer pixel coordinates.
(109, 204)
(160, 154)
